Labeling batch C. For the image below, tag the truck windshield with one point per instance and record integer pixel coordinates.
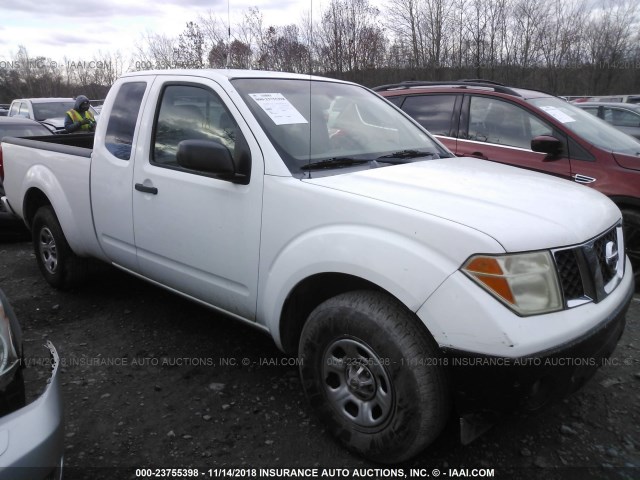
(323, 124)
(587, 126)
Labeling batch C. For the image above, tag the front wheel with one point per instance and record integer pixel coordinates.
(631, 228)
(374, 375)
(60, 267)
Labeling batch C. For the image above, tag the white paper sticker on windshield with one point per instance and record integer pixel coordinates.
(558, 114)
(278, 108)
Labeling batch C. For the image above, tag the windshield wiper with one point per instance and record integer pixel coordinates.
(333, 163)
(397, 157)
(408, 154)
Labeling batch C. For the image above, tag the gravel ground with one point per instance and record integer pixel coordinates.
(153, 381)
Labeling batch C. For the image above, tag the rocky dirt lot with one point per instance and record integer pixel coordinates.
(153, 381)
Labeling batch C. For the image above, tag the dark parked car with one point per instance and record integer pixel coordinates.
(624, 116)
(533, 130)
(10, 226)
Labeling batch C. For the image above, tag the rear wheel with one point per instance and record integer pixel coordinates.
(374, 375)
(58, 264)
(631, 228)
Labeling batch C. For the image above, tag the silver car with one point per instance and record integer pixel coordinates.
(31, 436)
(623, 116)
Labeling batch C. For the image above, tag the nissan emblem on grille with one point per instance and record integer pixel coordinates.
(591, 271)
(611, 255)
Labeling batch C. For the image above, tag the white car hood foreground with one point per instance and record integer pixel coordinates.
(522, 210)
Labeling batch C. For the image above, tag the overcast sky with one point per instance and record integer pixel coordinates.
(78, 30)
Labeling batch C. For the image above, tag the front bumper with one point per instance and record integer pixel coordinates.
(496, 384)
(31, 438)
(499, 362)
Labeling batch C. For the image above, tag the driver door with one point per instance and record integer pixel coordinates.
(195, 233)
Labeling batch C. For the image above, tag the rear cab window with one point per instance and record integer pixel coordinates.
(123, 119)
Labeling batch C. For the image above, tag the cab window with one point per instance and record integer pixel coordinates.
(189, 112)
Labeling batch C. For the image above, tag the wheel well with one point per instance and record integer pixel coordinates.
(33, 200)
(306, 296)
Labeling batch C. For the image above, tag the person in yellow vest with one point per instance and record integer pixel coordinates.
(80, 118)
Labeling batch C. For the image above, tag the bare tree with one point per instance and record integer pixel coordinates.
(214, 29)
(527, 33)
(217, 35)
(561, 40)
(218, 53)
(155, 52)
(35, 76)
(240, 55)
(283, 51)
(437, 22)
(191, 47)
(610, 41)
(349, 36)
(404, 20)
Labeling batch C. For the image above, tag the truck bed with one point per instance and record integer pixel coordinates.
(73, 144)
(59, 165)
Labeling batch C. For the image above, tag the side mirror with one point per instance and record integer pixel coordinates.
(206, 156)
(547, 144)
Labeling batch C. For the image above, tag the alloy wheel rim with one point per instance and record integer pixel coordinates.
(48, 250)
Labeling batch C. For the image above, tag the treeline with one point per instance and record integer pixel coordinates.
(569, 47)
(24, 76)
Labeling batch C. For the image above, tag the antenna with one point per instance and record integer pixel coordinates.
(310, 36)
(310, 72)
(228, 34)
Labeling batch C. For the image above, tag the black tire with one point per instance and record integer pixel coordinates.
(631, 228)
(60, 267)
(374, 375)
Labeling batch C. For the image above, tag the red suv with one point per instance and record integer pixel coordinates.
(534, 130)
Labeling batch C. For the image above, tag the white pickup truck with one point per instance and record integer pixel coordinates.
(410, 283)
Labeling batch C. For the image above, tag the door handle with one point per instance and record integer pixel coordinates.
(144, 189)
(478, 155)
(583, 178)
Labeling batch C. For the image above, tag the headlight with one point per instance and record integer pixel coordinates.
(525, 282)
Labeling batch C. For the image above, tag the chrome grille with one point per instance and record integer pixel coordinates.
(569, 272)
(591, 271)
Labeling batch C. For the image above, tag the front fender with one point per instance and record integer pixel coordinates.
(408, 269)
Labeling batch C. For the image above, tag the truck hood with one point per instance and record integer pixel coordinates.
(520, 209)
